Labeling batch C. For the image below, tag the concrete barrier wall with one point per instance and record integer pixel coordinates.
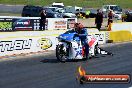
(120, 36)
(120, 32)
(26, 42)
(121, 26)
(34, 41)
(38, 41)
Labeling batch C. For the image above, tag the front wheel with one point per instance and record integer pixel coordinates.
(61, 53)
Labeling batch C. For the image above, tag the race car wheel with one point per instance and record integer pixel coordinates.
(60, 53)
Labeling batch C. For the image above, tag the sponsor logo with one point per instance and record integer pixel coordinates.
(5, 26)
(45, 43)
(60, 22)
(25, 22)
(83, 77)
(15, 45)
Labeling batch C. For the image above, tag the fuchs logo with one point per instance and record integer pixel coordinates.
(45, 43)
(24, 22)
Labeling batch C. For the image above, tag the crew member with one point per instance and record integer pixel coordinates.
(99, 19)
(42, 20)
(110, 17)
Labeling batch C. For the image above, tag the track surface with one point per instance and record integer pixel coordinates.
(44, 71)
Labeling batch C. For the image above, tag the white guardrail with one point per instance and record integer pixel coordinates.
(122, 26)
(8, 23)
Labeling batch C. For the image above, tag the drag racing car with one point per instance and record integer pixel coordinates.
(69, 47)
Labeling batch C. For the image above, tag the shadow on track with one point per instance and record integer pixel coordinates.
(68, 61)
(49, 61)
(56, 61)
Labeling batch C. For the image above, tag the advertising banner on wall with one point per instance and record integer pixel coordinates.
(5, 24)
(71, 22)
(26, 45)
(57, 23)
(35, 41)
(22, 24)
(61, 23)
(33, 23)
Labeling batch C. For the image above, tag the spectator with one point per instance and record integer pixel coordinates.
(42, 20)
(110, 17)
(99, 19)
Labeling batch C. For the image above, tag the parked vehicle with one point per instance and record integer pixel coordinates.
(92, 13)
(65, 14)
(117, 10)
(79, 11)
(34, 11)
(128, 16)
(52, 8)
(52, 14)
(73, 9)
(58, 4)
(31, 11)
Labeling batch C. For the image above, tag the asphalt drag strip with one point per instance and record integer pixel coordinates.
(42, 70)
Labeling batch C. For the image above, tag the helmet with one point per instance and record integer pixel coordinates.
(78, 25)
